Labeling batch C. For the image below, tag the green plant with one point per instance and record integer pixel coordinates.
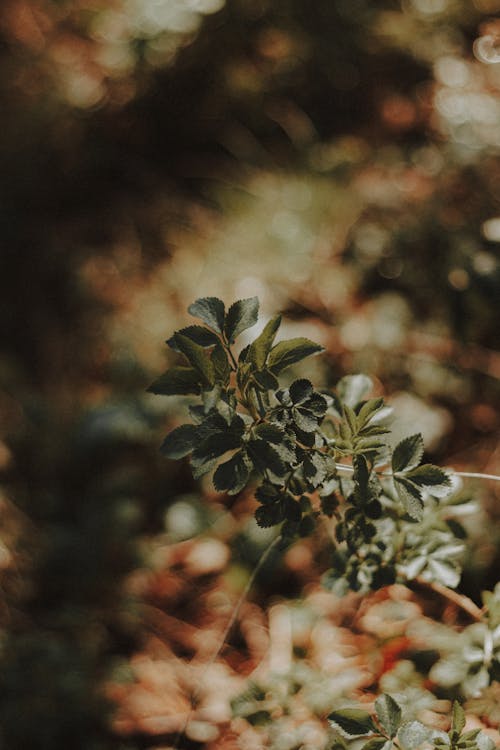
(317, 455)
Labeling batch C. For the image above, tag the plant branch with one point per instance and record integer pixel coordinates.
(346, 468)
(460, 600)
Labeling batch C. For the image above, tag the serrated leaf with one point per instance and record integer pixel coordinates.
(180, 442)
(271, 433)
(353, 388)
(412, 734)
(266, 458)
(408, 453)
(430, 476)
(388, 713)
(288, 353)
(270, 515)
(198, 357)
(178, 381)
(317, 404)
(241, 315)
(300, 390)
(305, 419)
(411, 498)
(219, 442)
(352, 722)
(457, 718)
(260, 348)
(232, 475)
(211, 310)
(267, 493)
(200, 335)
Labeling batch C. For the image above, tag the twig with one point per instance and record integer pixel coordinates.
(227, 629)
(460, 600)
(469, 474)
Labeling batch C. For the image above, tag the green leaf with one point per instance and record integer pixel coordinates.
(445, 572)
(305, 419)
(377, 743)
(232, 475)
(198, 357)
(271, 433)
(178, 381)
(180, 441)
(218, 443)
(430, 476)
(289, 352)
(211, 310)
(369, 409)
(260, 348)
(408, 453)
(353, 388)
(413, 734)
(410, 497)
(388, 713)
(267, 493)
(350, 418)
(241, 315)
(198, 334)
(266, 458)
(352, 722)
(270, 515)
(220, 362)
(266, 380)
(457, 718)
(301, 390)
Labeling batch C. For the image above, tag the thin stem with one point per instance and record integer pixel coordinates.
(469, 474)
(227, 629)
(460, 600)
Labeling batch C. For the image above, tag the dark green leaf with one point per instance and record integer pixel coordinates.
(198, 334)
(210, 310)
(232, 475)
(353, 388)
(267, 493)
(271, 433)
(216, 445)
(300, 390)
(411, 498)
(220, 361)
(376, 743)
(266, 380)
(408, 453)
(180, 441)
(388, 713)
(289, 352)
(353, 722)
(178, 381)
(270, 515)
(317, 404)
(305, 419)
(260, 348)
(241, 315)
(198, 357)
(266, 458)
(430, 476)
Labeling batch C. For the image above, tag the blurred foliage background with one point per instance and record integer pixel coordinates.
(339, 159)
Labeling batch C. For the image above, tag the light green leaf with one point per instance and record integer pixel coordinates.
(211, 310)
(457, 718)
(352, 722)
(178, 381)
(413, 734)
(350, 418)
(377, 743)
(198, 334)
(410, 497)
(290, 352)
(198, 357)
(369, 410)
(241, 315)
(260, 348)
(353, 388)
(232, 475)
(180, 442)
(444, 572)
(408, 453)
(388, 713)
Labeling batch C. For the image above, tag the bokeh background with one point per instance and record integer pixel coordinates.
(341, 160)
